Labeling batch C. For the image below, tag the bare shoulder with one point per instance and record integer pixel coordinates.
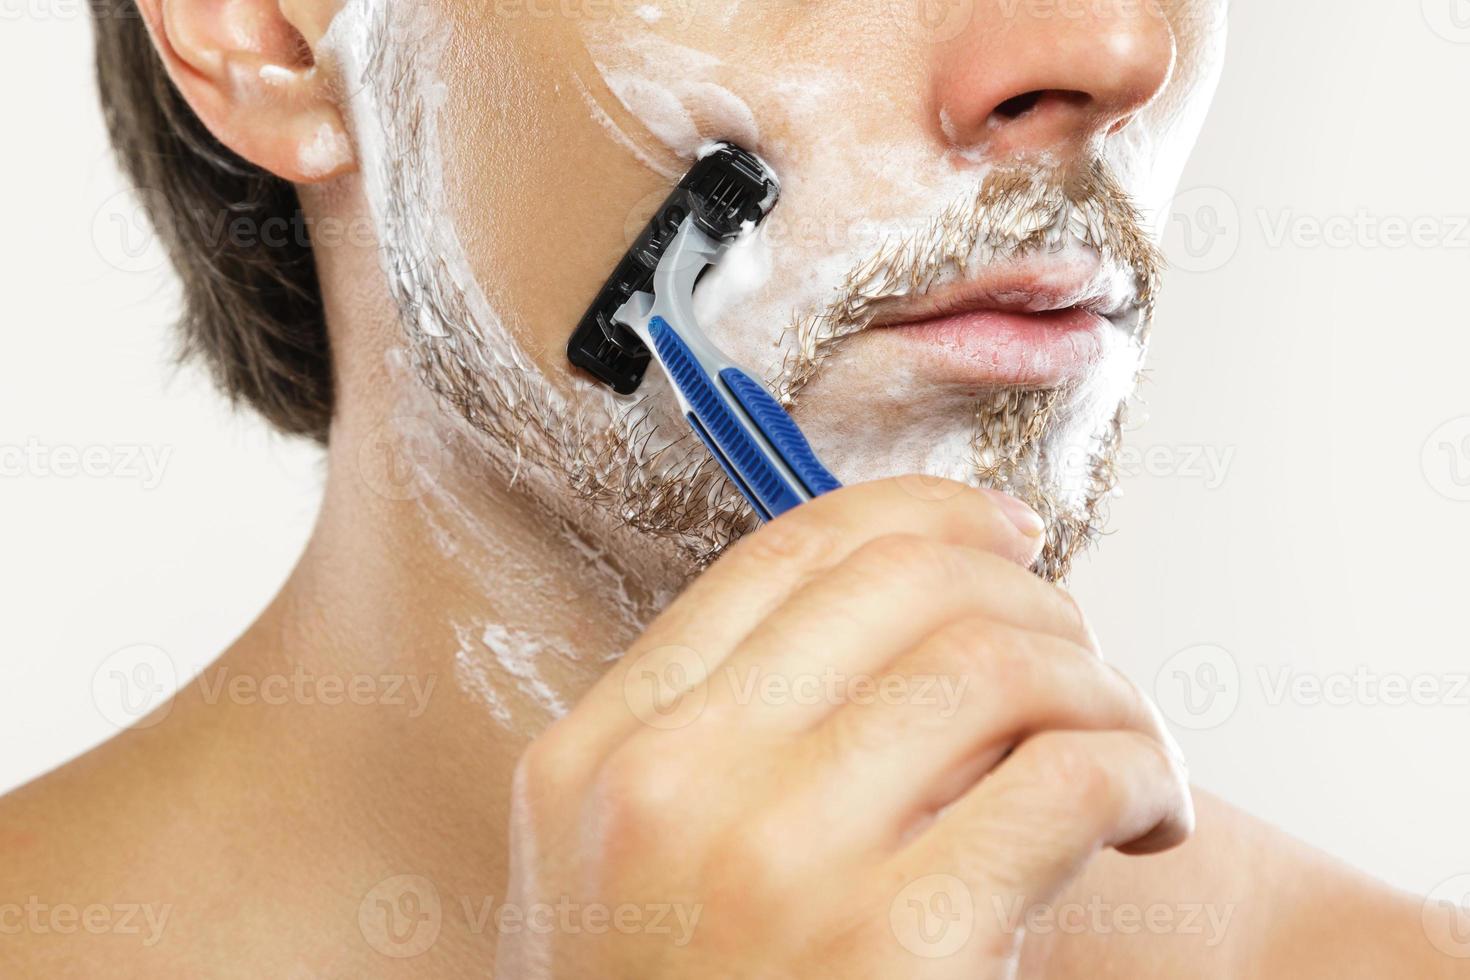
(183, 849)
(80, 855)
(158, 853)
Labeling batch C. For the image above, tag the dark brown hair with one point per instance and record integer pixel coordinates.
(252, 309)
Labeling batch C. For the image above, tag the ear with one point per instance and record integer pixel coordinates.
(248, 70)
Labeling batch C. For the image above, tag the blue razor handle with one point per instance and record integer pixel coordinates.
(745, 429)
(752, 437)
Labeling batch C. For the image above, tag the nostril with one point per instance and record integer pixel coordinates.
(1052, 101)
(1018, 106)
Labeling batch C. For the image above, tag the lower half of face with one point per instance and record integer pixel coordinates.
(958, 279)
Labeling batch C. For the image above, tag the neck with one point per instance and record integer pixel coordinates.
(474, 602)
(460, 622)
(511, 591)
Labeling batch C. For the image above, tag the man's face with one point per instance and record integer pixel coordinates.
(957, 282)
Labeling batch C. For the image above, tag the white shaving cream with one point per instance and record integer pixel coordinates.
(847, 191)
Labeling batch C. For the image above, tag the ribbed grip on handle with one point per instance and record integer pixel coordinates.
(780, 431)
(762, 484)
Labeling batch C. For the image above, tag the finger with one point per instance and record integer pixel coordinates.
(699, 630)
(1028, 828)
(844, 629)
(945, 714)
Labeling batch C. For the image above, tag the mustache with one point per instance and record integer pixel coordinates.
(1016, 211)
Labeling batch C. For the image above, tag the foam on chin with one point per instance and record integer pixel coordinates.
(864, 422)
(635, 457)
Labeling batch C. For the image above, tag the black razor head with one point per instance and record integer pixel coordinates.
(726, 189)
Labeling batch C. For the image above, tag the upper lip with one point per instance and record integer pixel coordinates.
(1030, 287)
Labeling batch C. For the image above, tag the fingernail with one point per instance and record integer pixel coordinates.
(1027, 521)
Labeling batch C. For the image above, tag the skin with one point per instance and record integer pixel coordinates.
(277, 833)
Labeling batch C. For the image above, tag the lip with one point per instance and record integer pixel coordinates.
(999, 348)
(1045, 327)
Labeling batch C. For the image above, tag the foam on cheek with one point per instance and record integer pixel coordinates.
(674, 100)
(659, 108)
(829, 171)
(726, 290)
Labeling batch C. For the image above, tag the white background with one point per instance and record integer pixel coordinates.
(1319, 372)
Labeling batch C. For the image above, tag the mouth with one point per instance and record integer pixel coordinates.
(1037, 323)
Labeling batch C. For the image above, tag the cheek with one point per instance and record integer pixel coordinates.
(854, 161)
(523, 193)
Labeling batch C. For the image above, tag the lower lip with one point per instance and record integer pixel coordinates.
(1020, 349)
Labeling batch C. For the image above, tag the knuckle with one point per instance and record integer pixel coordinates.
(796, 538)
(906, 556)
(549, 767)
(758, 852)
(924, 488)
(639, 789)
(944, 487)
(943, 571)
(1080, 776)
(986, 649)
(848, 738)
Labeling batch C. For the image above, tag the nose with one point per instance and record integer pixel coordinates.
(1055, 76)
